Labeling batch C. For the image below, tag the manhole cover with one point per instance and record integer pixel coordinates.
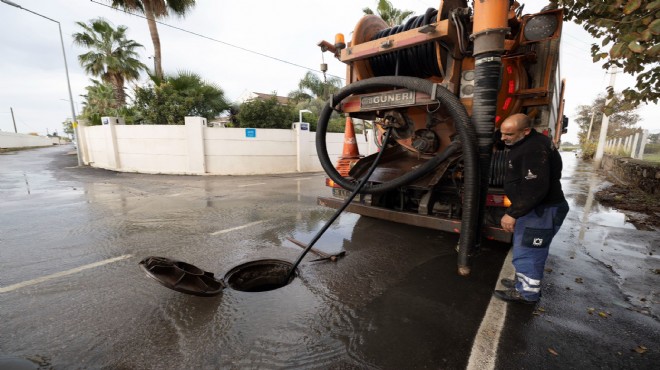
(182, 277)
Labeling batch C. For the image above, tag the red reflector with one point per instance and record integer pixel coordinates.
(512, 86)
(506, 104)
(497, 119)
(509, 70)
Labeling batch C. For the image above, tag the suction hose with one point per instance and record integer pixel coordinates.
(341, 209)
(487, 83)
(489, 30)
(468, 143)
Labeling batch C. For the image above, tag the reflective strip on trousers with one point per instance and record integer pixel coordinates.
(527, 287)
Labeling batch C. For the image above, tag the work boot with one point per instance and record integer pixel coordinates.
(508, 283)
(511, 295)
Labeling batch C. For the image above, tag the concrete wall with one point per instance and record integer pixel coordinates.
(196, 149)
(13, 140)
(644, 175)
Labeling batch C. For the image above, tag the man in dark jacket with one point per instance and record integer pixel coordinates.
(538, 206)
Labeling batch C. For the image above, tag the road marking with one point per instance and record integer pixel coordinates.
(304, 178)
(255, 184)
(63, 273)
(484, 349)
(237, 227)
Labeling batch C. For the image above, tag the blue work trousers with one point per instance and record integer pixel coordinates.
(532, 235)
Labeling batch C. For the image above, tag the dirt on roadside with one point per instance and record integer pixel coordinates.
(641, 209)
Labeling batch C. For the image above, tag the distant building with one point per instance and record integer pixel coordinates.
(220, 121)
(249, 96)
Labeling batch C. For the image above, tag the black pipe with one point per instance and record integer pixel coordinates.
(462, 125)
(341, 209)
(486, 87)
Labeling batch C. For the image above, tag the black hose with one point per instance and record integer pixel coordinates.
(462, 125)
(341, 209)
(486, 88)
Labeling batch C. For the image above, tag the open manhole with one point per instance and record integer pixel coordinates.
(254, 276)
(259, 276)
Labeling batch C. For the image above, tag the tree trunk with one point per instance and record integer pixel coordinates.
(118, 85)
(121, 94)
(151, 20)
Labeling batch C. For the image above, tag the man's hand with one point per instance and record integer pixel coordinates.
(508, 223)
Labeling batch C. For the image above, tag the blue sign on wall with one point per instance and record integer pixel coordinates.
(250, 132)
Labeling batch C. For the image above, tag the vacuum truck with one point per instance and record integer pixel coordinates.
(440, 85)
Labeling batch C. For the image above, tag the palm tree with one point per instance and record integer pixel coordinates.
(100, 101)
(112, 56)
(391, 15)
(155, 9)
(312, 87)
(170, 100)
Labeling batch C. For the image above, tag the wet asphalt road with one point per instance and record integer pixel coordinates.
(394, 302)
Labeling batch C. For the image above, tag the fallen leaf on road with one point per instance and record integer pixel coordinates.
(578, 280)
(656, 271)
(603, 314)
(552, 351)
(548, 270)
(640, 349)
(538, 311)
(591, 310)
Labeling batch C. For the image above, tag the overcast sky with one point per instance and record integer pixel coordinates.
(33, 81)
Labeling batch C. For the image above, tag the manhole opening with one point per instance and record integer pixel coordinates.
(260, 276)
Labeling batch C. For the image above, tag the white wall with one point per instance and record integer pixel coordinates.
(196, 149)
(14, 140)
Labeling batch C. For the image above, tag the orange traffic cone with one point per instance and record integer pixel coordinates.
(350, 154)
(350, 150)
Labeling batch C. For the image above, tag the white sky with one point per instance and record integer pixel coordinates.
(33, 81)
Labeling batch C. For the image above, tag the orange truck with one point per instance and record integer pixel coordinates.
(442, 83)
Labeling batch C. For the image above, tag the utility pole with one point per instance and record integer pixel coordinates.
(598, 157)
(591, 124)
(13, 119)
(66, 71)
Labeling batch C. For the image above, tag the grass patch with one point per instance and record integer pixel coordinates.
(653, 157)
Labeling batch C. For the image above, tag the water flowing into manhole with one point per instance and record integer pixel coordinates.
(254, 276)
(260, 276)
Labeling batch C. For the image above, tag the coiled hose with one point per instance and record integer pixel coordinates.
(417, 61)
(468, 144)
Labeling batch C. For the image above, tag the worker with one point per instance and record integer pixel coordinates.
(538, 206)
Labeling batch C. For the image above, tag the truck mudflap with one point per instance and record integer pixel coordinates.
(414, 219)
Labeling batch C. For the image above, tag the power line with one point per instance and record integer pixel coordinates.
(582, 41)
(26, 125)
(218, 41)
